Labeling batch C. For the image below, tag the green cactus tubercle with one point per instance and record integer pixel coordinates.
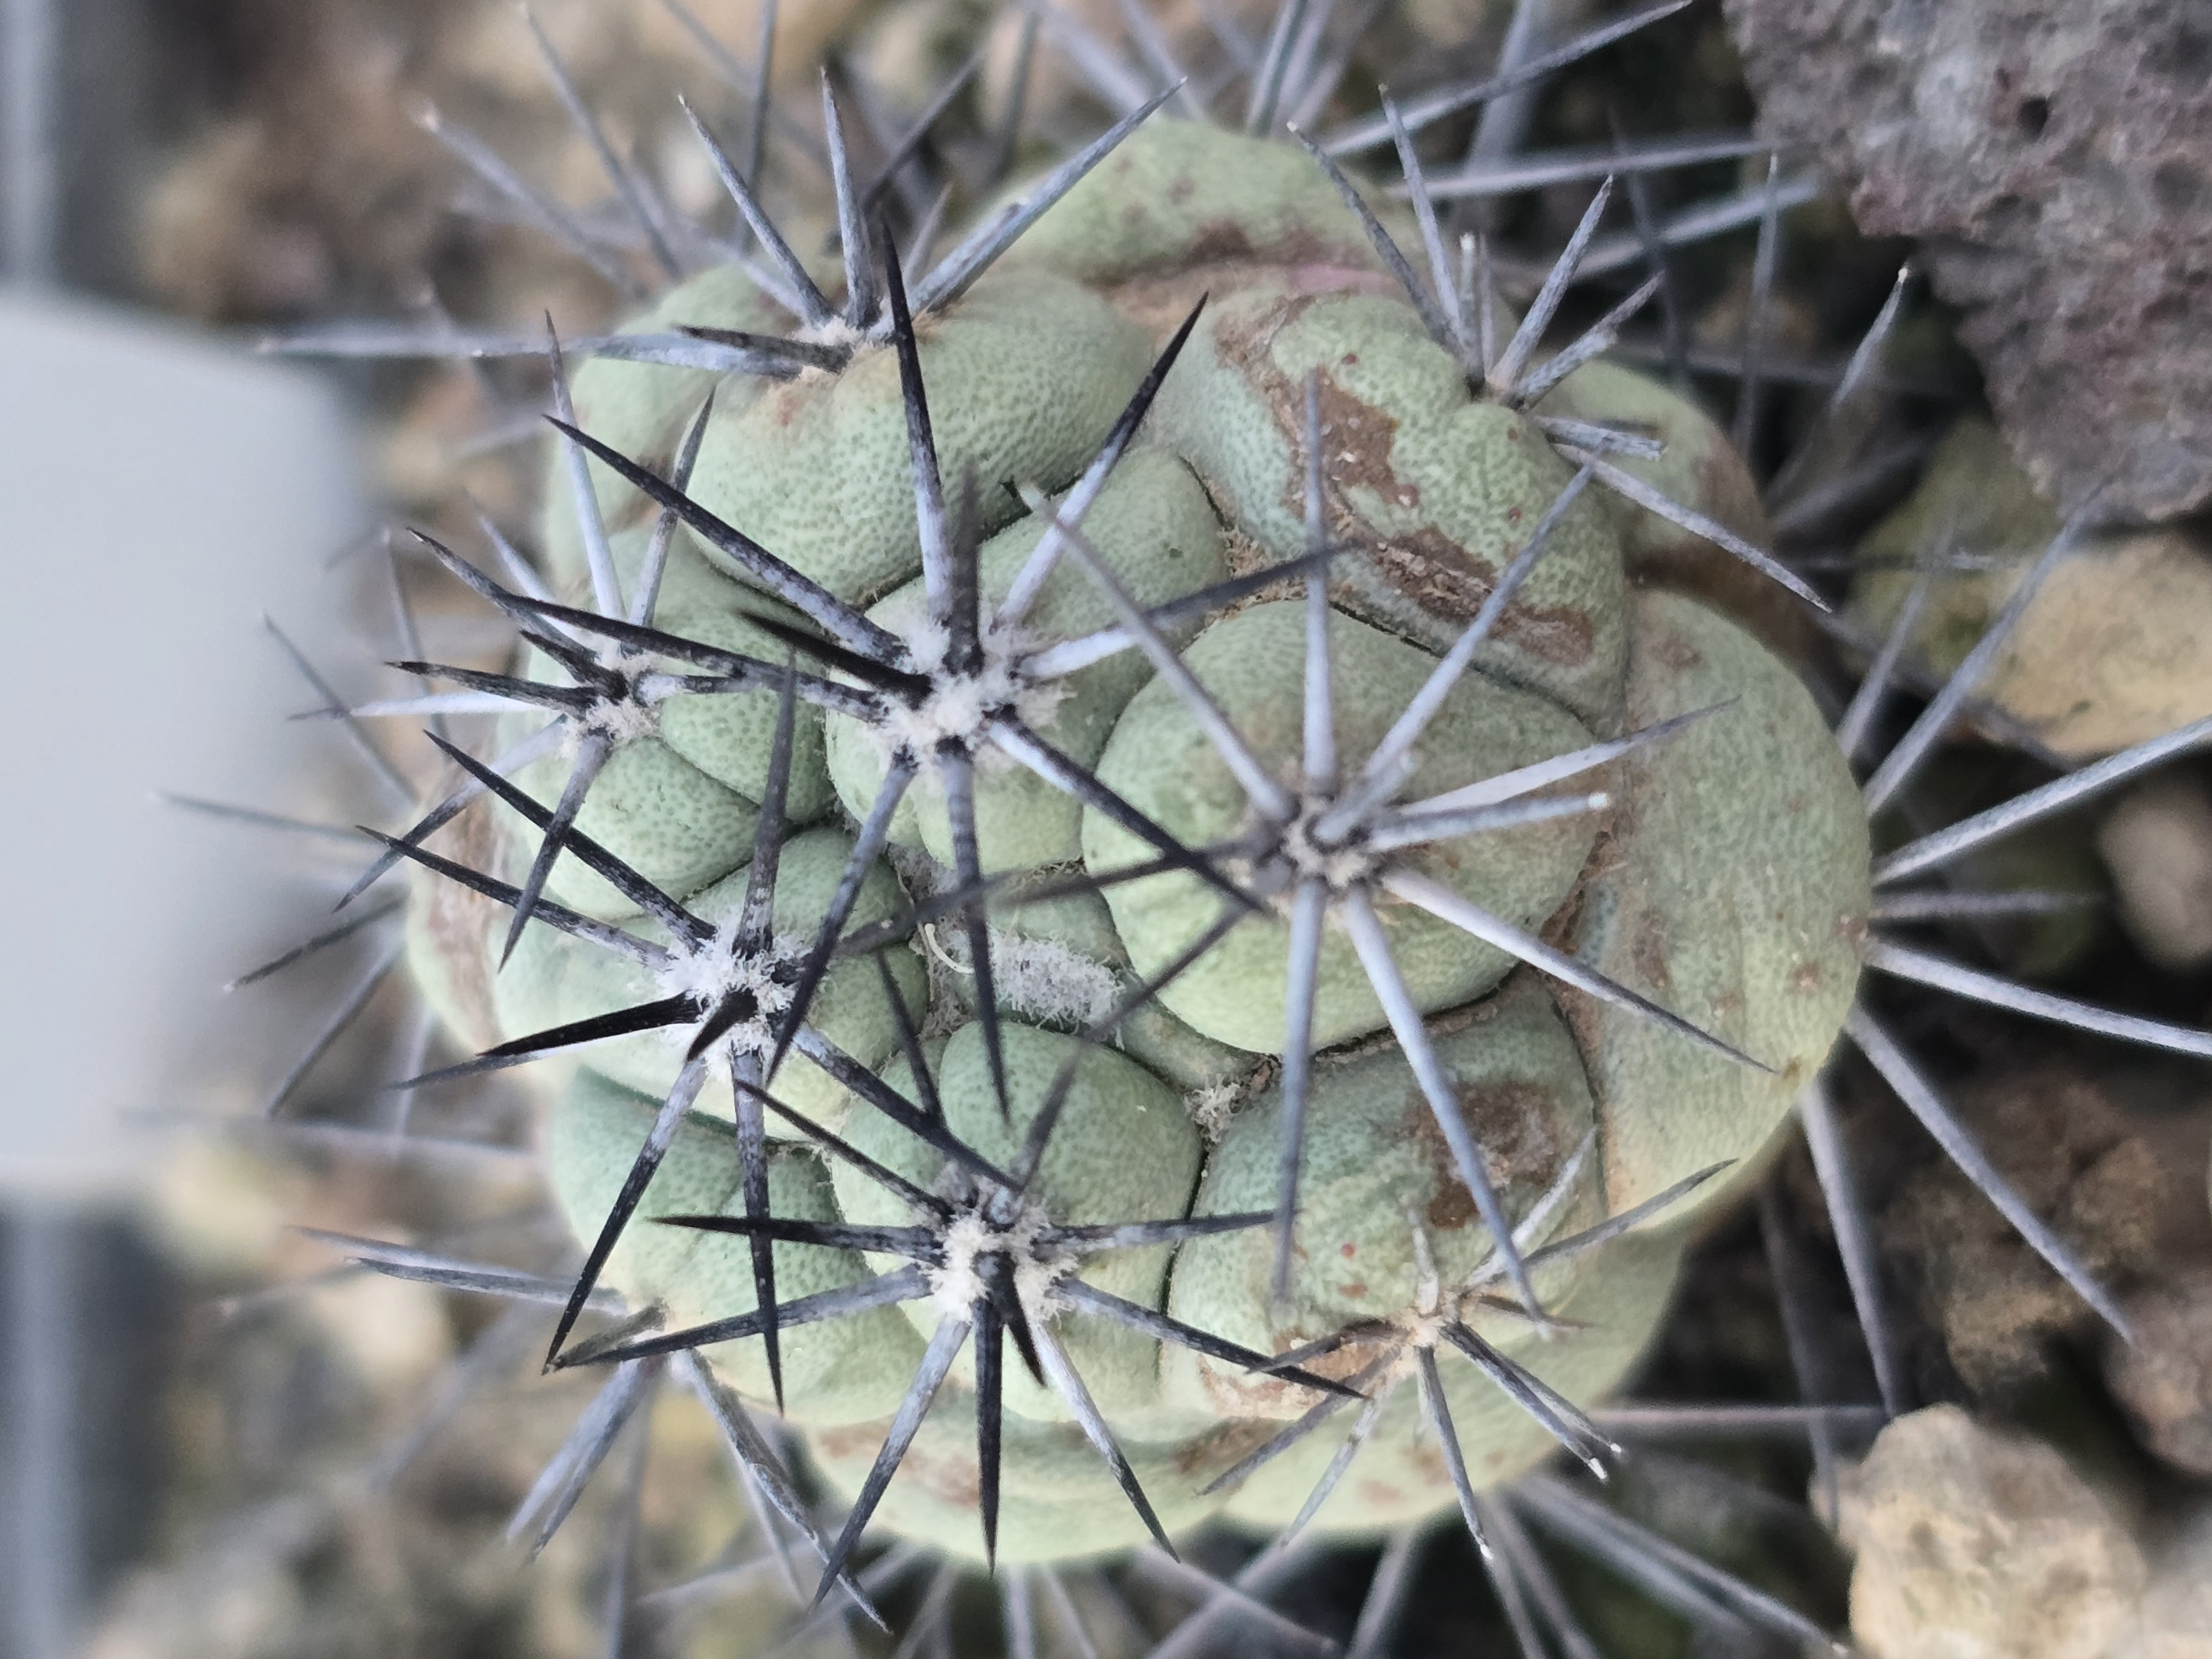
(1723, 877)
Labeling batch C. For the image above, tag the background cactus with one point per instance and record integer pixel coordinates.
(1202, 675)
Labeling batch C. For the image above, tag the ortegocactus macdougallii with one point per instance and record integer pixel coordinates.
(1341, 922)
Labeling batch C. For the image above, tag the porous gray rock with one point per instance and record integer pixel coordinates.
(2055, 159)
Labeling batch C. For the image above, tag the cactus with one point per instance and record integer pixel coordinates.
(1295, 661)
(1119, 795)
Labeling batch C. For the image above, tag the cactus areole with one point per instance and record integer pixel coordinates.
(1140, 815)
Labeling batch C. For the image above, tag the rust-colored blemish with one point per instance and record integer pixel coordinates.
(1222, 241)
(1236, 1393)
(460, 922)
(1159, 299)
(1647, 948)
(1510, 1120)
(957, 1480)
(852, 1440)
(1441, 576)
(1347, 1360)
(1431, 1462)
(1437, 573)
(1676, 652)
(788, 403)
(1358, 438)
(1224, 1446)
(1242, 345)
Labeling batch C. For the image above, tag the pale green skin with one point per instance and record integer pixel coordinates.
(679, 804)
(1401, 1477)
(1735, 892)
(1059, 964)
(1124, 1151)
(1727, 879)
(651, 808)
(1153, 523)
(1056, 1502)
(643, 408)
(1376, 1169)
(844, 1371)
(1445, 489)
(1179, 198)
(818, 466)
(1698, 464)
(1253, 663)
(553, 980)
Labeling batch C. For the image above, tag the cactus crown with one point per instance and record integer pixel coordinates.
(1117, 691)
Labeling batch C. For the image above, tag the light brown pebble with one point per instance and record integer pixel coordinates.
(2165, 1378)
(1975, 1542)
(2174, 1620)
(2157, 842)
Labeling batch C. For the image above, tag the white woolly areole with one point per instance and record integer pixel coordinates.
(959, 706)
(1425, 1322)
(716, 968)
(831, 330)
(1036, 1282)
(955, 1283)
(1210, 1109)
(1341, 864)
(1046, 981)
(621, 719)
(1422, 1331)
(622, 723)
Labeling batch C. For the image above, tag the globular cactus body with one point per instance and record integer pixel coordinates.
(1722, 878)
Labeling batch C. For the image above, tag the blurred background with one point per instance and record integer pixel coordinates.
(160, 488)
